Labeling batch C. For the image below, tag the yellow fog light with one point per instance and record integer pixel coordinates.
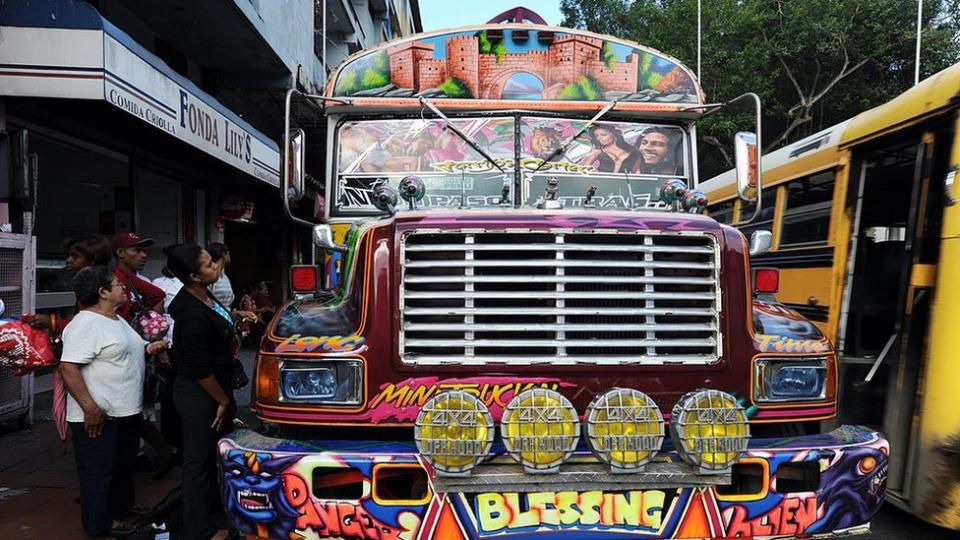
(624, 428)
(540, 429)
(709, 430)
(454, 432)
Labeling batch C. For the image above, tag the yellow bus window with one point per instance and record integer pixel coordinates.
(806, 217)
(722, 212)
(765, 220)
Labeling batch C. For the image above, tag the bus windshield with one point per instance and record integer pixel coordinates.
(622, 164)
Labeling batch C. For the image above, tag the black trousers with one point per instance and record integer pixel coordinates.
(200, 494)
(105, 467)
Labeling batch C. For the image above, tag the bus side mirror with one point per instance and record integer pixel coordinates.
(745, 152)
(760, 242)
(323, 239)
(296, 140)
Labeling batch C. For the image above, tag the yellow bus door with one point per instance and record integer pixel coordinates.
(897, 210)
(935, 448)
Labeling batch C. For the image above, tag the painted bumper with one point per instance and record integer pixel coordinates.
(267, 489)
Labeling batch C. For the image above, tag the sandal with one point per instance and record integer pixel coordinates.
(121, 529)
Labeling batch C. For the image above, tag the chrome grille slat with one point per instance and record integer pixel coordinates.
(560, 326)
(557, 311)
(559, 296)
(680, 359)
(554, 279)
(551, 247)
(553, 343)
(551, 263)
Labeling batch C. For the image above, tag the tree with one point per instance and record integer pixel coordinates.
(488, 47)
(813, 62)
(607, 55)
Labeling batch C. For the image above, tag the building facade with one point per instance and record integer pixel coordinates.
(163, 118)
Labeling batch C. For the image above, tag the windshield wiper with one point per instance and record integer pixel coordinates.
(459, 133)
(563, 147)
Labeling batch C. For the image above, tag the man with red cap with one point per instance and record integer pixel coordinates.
(131, 253)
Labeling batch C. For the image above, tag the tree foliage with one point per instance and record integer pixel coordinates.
(586, 88)
(813, 62)
(489, 47)
(347, 83)
(373, 74)
(607, 55)
(454, 88)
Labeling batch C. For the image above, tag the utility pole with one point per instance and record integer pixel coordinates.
(916, 73)
(324, 46)
(699, 43)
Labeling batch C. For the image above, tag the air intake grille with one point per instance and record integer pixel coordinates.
(520, 297)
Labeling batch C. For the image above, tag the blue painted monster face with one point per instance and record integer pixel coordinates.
(254, 488)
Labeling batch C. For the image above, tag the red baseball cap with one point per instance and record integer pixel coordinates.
(129, 239)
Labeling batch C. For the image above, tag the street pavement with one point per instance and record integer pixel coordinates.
(38, 477)
(38, 486)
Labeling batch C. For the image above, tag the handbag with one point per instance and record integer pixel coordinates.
(238, 376)
(151, 325)
(24, 348)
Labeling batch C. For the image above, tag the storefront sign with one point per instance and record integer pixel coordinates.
(234, 207)
(137, 87)
(104, 63)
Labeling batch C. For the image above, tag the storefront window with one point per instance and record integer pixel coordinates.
(81, 191)
(159, 215)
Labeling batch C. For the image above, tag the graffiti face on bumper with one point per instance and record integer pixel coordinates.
(253, 489)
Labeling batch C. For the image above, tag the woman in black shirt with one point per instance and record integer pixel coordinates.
(204, 344)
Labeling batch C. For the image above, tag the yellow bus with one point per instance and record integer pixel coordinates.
(866, 237)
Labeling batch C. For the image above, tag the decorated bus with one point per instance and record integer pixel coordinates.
(519, 323)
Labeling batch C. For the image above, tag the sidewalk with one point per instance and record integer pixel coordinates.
(38, 484)
(38, 476)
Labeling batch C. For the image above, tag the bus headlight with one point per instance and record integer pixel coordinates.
(709, 430)
(540, 429)
(337, 382)
(783, 379)
(624, 429)
(454, 432)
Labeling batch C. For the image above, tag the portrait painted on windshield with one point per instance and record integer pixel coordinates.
(604, 147)
(611, 152)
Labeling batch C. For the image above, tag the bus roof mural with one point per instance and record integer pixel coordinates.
(516, 62)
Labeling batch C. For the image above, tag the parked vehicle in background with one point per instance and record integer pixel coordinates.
(526, 295)
(865, 237)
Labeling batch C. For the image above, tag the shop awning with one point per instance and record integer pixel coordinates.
(65, 49)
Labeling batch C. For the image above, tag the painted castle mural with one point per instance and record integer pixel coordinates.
(514, 63)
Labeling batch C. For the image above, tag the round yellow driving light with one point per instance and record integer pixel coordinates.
(624, 429)
(709, 430)
(454, 432)
(540, 429)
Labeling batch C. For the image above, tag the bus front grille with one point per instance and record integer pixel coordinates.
(559, 296)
